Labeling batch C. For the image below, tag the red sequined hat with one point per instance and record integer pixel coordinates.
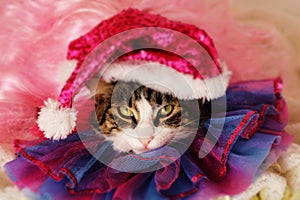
(165, 55)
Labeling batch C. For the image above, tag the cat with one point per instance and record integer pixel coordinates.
(136, 118)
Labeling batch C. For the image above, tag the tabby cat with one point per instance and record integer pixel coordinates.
(138, 119)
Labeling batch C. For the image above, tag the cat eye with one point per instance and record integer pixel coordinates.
(125, 112)
(166, 110)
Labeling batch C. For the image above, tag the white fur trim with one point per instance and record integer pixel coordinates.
(57, 123)
(167, 79)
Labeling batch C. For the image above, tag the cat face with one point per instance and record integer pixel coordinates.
(138, 119)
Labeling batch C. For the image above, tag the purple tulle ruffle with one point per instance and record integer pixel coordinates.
(252, 138)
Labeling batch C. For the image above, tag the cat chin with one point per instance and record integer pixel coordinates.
(127, 149)
(137, 151)
(133, 150)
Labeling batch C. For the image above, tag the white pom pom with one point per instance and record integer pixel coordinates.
(57, 123)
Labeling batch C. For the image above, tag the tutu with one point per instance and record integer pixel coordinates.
(252, 138)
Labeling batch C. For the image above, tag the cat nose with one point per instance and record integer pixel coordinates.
(146, 141)
(145, 131)
(145, 135)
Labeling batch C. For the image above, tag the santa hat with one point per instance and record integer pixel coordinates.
(165, 55)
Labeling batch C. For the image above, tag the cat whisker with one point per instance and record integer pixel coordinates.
(178, 142)
(188, 130)
(188, 123)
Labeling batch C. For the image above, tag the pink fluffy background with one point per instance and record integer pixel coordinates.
(34, 36)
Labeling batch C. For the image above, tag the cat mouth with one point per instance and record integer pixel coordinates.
(144, 150)
(140, 150)
(130, 151)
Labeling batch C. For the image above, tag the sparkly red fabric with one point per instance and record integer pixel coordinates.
(134, 19)
(136, 35)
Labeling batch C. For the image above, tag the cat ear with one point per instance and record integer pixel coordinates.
(105, 87)
(98, 87)
(102, 97)
(92, 85)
